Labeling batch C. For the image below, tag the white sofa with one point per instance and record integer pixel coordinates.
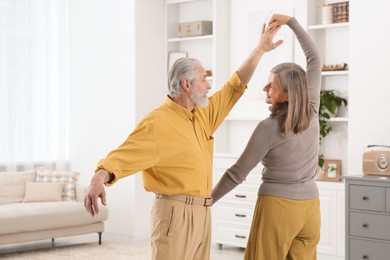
(30, 210)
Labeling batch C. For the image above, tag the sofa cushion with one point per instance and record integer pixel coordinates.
(69, 179)
(43, 191)
(12, 185)
(25, 217)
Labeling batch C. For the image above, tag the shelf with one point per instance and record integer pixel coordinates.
(335, 73)
(338, 119)
(179, 1)
(327, 26)
(194, 38)
(258, 119)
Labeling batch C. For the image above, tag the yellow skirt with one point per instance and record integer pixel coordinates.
(284, 229)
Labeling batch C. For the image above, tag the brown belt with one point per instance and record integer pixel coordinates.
(187, 199)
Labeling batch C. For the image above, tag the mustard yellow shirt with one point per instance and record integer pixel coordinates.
(173, 147)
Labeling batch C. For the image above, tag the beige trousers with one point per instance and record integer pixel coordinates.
(180, 231)
(284, 229)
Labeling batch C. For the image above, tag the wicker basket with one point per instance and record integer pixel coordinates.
(341, 12)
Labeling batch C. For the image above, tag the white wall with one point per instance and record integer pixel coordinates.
(240, 47)
(102, 111)
(116, 77)
(369, 94)
(239, 24)
(150, 89)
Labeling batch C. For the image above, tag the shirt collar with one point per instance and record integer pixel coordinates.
(180, 110)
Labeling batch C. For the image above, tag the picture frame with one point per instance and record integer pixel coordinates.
(319, 174)
(332, 170)
(174, 56)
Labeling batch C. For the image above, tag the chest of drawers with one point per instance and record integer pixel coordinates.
(232, 214)
(367, 217)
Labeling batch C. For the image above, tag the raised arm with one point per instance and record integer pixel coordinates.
(265, 44)
(223, 101)
(313, 61)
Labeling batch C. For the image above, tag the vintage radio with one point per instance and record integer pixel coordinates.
(376, 160)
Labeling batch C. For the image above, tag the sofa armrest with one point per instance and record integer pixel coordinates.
(80, 191)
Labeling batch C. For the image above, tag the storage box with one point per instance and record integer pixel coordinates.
(197, 28)
(327, 13)
(341, 12)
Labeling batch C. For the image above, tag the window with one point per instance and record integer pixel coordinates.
(33, 83)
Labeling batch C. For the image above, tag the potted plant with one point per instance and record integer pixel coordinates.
(329, 104)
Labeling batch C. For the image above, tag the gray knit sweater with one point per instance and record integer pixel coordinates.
(289, 161)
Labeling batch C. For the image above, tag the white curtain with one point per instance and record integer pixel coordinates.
(33, 83)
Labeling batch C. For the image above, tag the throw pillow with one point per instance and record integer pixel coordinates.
(69, 179)
(13, 187)
(41, 191)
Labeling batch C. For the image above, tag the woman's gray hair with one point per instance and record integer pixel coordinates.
(293, 80)
(182, 68)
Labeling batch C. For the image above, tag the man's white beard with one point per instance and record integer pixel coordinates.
(202, 101)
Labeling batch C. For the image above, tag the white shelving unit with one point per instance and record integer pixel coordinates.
(335, 73)
(232, 214)
(332, 205)
(327, 26)
(333, 43)
(199, 47)
(209, 49)
(230, 227)
(193, 38)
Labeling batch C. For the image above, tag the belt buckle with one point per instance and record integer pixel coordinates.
(208, 202)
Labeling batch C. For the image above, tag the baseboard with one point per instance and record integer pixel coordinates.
(126, 237)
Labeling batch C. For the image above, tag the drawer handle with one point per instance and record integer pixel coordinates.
(365, 257)
(365, 198)
(241, 215)
(238, 236)
(240, 196)
(365, 225)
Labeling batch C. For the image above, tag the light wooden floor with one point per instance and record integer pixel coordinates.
(226, 253)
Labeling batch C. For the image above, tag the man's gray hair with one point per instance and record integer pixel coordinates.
(182, 68)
